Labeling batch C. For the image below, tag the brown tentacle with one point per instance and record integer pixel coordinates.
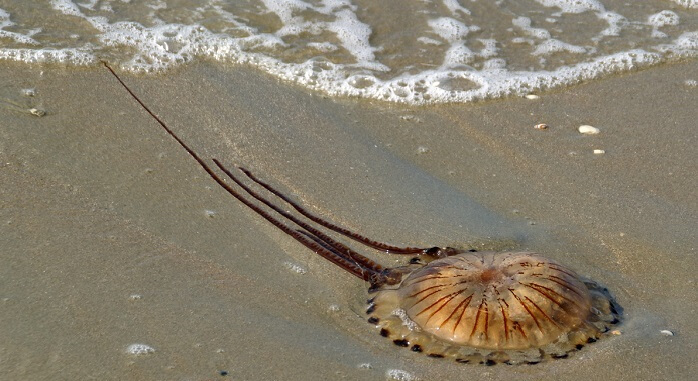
(340, 247)
(317, 240)
(345, 263)
(329, 247)
(355, 236)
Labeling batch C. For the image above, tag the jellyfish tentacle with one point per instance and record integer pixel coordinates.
(345, 263)
(318, 240)
(327, 246)
(344, 231)
(351, 266)
(340, 247)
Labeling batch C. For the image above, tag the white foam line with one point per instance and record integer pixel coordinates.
(464, 74)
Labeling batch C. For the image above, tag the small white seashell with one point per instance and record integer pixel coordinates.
(541, 126)
(532, 96)
(37, 112)
(616, 332)
(588, 130)
(599, 152)
(666, 332)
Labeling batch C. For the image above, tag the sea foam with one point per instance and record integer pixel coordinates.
(453, 52)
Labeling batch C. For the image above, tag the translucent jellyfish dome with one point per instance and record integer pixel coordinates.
(494, 307)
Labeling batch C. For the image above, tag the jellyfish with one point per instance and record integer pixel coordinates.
(472, 307)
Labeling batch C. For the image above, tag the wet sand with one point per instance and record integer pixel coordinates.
(98, 204)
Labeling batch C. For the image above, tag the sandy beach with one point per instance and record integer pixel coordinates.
(111, 234)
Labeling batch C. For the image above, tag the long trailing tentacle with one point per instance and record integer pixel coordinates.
(348, 264)
(343, 249)
(355, 236)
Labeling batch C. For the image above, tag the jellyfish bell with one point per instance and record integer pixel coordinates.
(496, 301)
(508, 307)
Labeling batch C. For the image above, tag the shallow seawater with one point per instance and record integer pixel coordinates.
(416, 51)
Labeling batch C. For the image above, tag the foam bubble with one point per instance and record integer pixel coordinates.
(354, 36)
(525, 24)
(455, 7)
(66, 7)
(458, 54)
(663, 18)
(30, 92)
(494, 64)
(324, 47)
(553, 46)
(68, 55)
(690, 4)
(573, 6)
(428, 41)
(334, 308)
(615, 21)
(684, 46)
(449, 29)
(139, 349)
(489, 47)
(399, 375)
(296, 268)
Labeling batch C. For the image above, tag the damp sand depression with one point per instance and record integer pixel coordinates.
(122, 259)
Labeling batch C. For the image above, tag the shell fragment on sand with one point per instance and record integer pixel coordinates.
(37, 111)
(588, 130)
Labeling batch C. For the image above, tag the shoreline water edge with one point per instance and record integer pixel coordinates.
(421, 52)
